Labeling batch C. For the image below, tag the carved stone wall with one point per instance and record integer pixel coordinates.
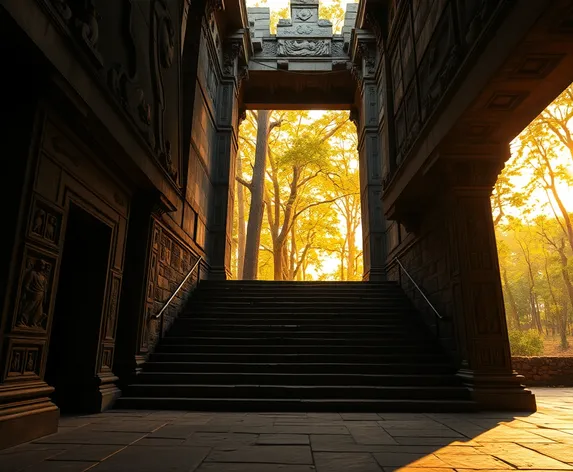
(427, 45)
(133, 49)
(65, 173)
(169, 262)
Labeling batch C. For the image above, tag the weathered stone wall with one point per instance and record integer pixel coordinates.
(425, 258)
(542, 371)
(170, 261)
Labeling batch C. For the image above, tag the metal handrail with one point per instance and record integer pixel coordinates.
(179, 288)
(419, 289)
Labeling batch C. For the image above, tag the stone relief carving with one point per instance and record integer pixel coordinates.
(337, 49)
(368, 53)
(125, 86)
(45, 224)
(63, 9)
(88, 28)
(112, 309)
(163, 37)
(304, 14)
(31, 361)
(270, 48)
(213, 6)
(304, 47)
(39, 219)
(230, 54)
(33, 295)
(16, 363)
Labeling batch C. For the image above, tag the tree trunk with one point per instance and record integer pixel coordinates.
(241, 228)
(250, 269)
(512, 304)
(569, 286)
(351, 237)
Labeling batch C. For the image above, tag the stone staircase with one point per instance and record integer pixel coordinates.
(295, 346)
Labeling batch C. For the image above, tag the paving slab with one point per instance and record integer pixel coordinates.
(283, 439)
(253, 467)
(266, 454)
(222, 441)
(154, 459)
(345, 462)
(17, 460)
(88, 453)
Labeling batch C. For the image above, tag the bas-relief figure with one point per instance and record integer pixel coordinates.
(304, 47)
(34, 288)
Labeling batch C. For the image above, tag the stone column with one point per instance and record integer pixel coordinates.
(225, 147)
(371, 164)
(478, 307)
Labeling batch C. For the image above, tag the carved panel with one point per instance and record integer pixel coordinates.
(33, 302)
(303, 47)
(24, 359)
(506, 100)
(45, 223)
(106, 359)
(113, 299)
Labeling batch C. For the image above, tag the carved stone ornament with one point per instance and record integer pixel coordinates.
(33, 296)
(304, 47)
(230, 55)
(213, 6)
(163, 35)
(304, 14)
(167, 161)
(374, 24)
(88, 28)
(368, 54)
(63, 9)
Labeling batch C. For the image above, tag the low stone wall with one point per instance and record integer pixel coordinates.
(545, 371)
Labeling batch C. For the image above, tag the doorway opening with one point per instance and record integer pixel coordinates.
(307, 208)
(532, 205)
(75, 333)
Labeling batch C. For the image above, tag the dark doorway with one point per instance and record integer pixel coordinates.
(75, 334)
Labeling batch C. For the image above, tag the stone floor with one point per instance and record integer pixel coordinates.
(145, 441)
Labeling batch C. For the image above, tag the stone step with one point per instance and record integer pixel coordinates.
(254, 404)
(289, 325)
(298, 392)
(249, 378)
(290, 349)
(401, 358)
(298, 332)
(333, 341)
(300, 368)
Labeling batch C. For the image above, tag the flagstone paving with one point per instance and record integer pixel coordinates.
(149, 441)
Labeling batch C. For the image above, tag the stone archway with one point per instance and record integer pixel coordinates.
(304, 66)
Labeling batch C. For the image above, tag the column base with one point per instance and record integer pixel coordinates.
(219, 273)
(375, 274)
(503, 392)
(23, 418)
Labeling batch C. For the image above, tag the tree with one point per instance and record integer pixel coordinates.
(257, 187)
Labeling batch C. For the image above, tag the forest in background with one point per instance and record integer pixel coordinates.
(532, 205)
(308, 208)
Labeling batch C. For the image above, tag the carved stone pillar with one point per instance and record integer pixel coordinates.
(478, 308)
(225, 147)
(371, 165)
